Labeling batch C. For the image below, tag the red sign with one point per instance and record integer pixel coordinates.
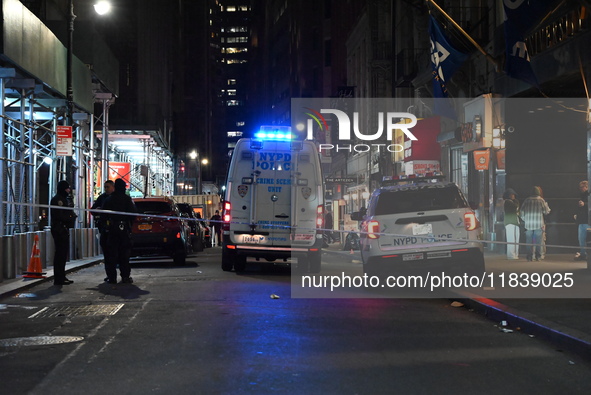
(120, 170)
(426, 146)
(63, 143)
(481, 159)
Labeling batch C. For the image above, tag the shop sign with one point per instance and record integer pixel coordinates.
(501, 159)
(120, 170)
(481, 159)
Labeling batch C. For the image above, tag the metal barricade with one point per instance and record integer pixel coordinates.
(20, 252)
(49, 248)
(2, 261)
(89, 242)
(8, 257)
(72, 249)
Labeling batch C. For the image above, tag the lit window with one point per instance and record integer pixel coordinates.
(234, 50)
(235, 61)
(235, 133)
(232, 103)
(231, 92)
(231, 82)
(241, 123)
(230, 8)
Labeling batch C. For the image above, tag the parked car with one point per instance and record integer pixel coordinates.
(205, 229)
(197, 232)
(421, 224)
(161, 230)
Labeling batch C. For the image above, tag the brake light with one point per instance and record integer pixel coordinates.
(373, 228)
(470, 221)
(320, 216)
(227, 215)
(178, 235)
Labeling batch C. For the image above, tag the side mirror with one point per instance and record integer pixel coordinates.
(473, 205)
(356, 216)
(184, 215)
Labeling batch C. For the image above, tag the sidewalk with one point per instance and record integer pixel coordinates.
(566, 323)
(17, 285)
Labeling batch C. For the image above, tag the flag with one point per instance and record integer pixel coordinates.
(445, 60)
(520, 17)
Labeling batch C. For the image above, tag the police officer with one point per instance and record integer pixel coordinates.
(98, 204)
(62, 219)
(119, 233)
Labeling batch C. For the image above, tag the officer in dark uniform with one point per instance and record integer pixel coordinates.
(98, 204)
(62, 219)
(119, 233)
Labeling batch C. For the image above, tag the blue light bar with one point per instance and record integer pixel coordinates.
(282, 133)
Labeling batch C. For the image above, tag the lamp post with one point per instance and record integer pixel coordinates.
(101, 7)
(194, 155)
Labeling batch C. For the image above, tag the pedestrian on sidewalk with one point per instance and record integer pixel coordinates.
(119, 233)
(582, 220)
(544, 234)
(63, 219)
(215, 222)
(109, 187)
(511, 221)
(533, 210)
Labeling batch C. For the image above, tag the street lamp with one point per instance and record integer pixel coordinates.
(69, 69)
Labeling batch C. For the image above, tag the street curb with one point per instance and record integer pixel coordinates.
(565, 338)
(14, 286)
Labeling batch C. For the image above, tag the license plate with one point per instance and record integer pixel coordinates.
(252, 239)
(412, 257)
(439, 254)
(144, 227)
(422, 229)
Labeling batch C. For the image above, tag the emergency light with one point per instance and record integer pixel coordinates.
(273, 132)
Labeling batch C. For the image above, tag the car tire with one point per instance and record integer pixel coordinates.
(239, 263)
(180, 258)
(198, 244)
(227, 260)
(314, 262)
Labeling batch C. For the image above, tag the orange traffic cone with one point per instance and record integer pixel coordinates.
(34, 269)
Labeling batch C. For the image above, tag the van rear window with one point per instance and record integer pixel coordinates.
(394, 202)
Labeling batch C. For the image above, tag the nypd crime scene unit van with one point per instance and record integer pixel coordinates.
(274, 203)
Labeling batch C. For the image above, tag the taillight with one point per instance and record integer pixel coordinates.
(178, 235)
(320, 217)
(227, 215)
(373, 228)
(470, 221)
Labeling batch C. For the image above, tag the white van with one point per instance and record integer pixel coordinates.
(274, 203)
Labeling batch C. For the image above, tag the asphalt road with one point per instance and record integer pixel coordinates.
(199, 330)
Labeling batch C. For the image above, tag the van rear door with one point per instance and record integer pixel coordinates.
(272, 192)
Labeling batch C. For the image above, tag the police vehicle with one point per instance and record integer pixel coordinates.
(420, 224)
(274, 203)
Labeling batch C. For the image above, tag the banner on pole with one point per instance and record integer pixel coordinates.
(63, 145)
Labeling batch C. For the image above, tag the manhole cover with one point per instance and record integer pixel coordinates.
(38, 340)
(78, 311)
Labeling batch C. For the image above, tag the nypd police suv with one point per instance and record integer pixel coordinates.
(420, 224)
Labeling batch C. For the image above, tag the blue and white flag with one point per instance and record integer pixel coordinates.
(445, 60)
(521, 16)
